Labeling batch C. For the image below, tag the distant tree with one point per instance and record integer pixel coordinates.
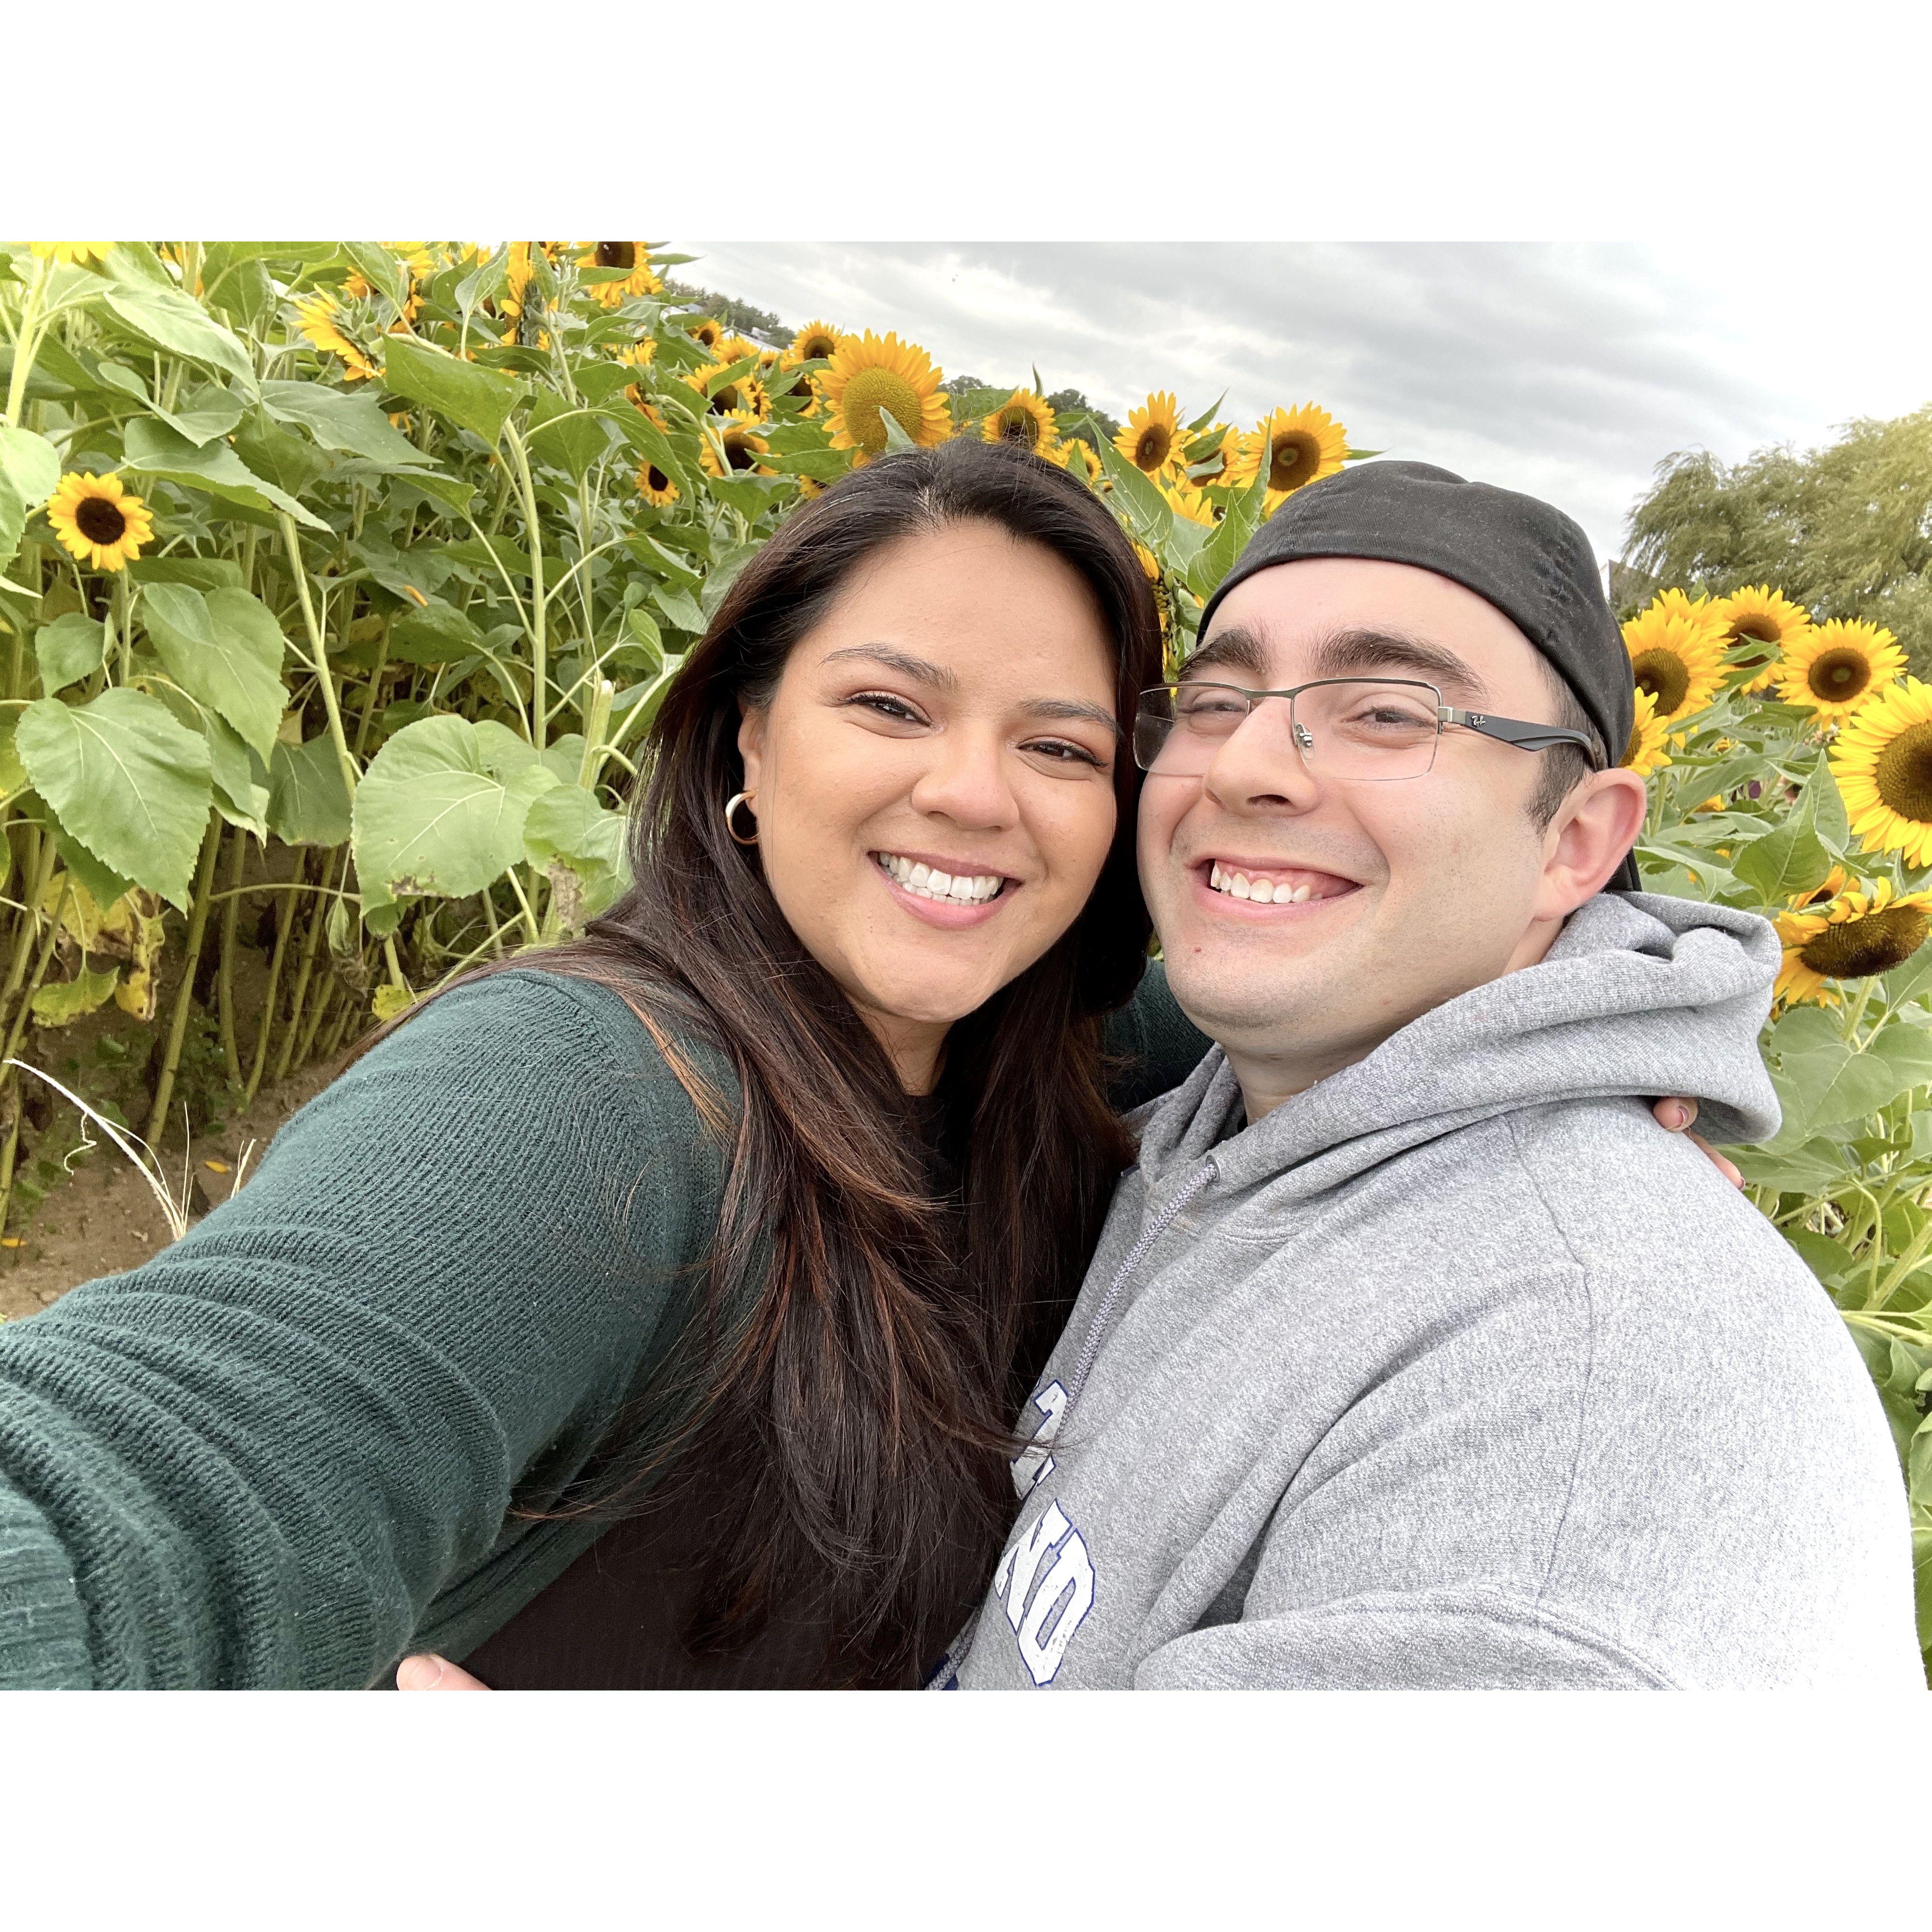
(1071, 401)
(739, 316)
(960, 385)
(1845, 530)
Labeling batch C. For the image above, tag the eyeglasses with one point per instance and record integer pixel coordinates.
(1343, 727)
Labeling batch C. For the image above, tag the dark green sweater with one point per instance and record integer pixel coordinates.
(282, 1452)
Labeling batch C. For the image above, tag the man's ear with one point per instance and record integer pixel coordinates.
(751, 742)
(1586, 841)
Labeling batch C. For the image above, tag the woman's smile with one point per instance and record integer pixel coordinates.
(943, 892)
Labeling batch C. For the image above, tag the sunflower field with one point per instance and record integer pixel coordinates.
(339, 582)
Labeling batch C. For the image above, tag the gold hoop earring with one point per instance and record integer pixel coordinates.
(731, 805)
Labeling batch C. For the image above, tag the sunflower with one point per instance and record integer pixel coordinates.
(707, 331)
(1862, 933)
(743, 395)
(1153, 439)
(1836, 667)
(1300, 446)
(1883, 761)
(743, 447)
(1190, 503)
(1024, 418)
(632, 256)
(1677, 654)
(1077, 449)
(1645, 753)
(644, 404)
(816, 342)
(640, 354)
(1163, 595)
(98, 521)
(655, 487)
(72, 252)
(1761, 616)
(870, 377)
(1226, 453)
(317, 320)
(738, 349)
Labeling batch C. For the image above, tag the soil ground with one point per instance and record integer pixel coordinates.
(104, 1218)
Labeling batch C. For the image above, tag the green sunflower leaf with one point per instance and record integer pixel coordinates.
(179, 324)
(355, 425)
(30, 473)
(1239, 522)
(478, 398)
(1791, 860)
(431, 819)
(68, 649)
(224, 649)
(575, 440)
(155, 450)
(1148, 514)
(308, 802)
(126, 780)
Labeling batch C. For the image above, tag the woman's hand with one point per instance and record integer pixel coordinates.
(1677, 1113)
(426, 1672)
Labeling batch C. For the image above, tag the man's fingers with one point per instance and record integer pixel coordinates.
(426, 1672)
(1676, 1112)
(1729, 1169)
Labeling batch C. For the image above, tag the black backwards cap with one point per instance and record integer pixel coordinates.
(1524, 556)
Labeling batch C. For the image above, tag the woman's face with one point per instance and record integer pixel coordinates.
(933, 778)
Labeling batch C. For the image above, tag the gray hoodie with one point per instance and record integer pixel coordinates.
(1457, 1370)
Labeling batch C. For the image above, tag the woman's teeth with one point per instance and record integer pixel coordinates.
(1263, 892)
(922, 882)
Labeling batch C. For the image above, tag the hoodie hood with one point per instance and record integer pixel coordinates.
(1641, 994)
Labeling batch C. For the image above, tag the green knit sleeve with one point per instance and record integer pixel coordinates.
(259, 1458)
(1157, 1046)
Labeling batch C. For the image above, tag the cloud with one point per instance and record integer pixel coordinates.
(1566, 370)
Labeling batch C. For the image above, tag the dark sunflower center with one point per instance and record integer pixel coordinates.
(100, 520)
(1630, 749)
(725, 401)
(1663, 674)
(1903, 776)
(1836, 675)
(1856, 949)
(1762, 629)
(1016, 426)
(617, 254)
(817, 347)
(658, 480)
(737, 454)
(1295, 459)
(1151, 452)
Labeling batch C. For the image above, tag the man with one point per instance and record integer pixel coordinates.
(1414, 1355)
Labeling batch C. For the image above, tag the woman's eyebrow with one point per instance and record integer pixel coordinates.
(920, 669)
(938, 678)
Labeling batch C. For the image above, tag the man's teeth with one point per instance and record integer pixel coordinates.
(922, 882)
(1263, 892)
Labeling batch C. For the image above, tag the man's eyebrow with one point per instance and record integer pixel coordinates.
(920, 669)
(1234, 649)
(1355, 653)
(1070, 708)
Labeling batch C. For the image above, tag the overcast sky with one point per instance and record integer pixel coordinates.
(1567, 369)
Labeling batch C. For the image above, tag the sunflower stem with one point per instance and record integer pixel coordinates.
(1856, 1012)
(539, 642)
(319, 650)
(197, 928)
(26, 342)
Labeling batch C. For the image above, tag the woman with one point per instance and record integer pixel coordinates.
(746, 1220)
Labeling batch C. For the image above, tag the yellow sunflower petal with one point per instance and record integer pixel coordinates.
(1883, 762)
(871, 376)
(1299, 446)
(1677, 654)
(1834, 668)
(1025, 418)
(1153, 441)
(98, 521)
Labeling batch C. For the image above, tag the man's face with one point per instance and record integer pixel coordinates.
(1417, 888)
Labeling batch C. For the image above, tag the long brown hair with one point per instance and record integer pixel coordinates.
(848, 1386)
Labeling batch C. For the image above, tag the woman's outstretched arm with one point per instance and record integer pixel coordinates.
(258, 1459)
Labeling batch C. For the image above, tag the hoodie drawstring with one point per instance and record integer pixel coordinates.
(1151, 1233)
